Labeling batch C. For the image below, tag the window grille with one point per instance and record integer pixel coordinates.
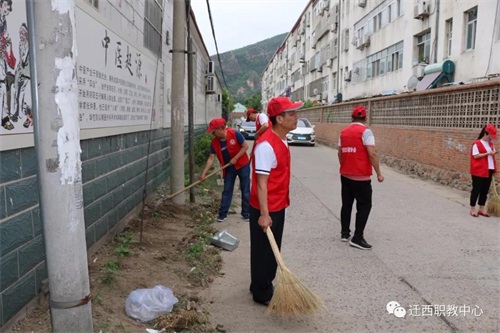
(152, 26)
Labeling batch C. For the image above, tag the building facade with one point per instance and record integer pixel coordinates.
(362, 48)
(124, 75)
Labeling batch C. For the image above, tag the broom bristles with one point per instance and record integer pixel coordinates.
(493, 206)
(291, 297)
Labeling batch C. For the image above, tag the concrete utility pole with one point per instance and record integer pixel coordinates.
(178, 73)
(52, 43)
(190, 102)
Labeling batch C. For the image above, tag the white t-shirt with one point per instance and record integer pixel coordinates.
(265, 158)
(263, 119)
(475, 151)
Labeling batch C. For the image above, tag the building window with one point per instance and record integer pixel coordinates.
(152, 26)
(334, 82)
(424, 47)
(94, 3)
(385, 61)
(399, 10)
(470, 29)
(449, 31)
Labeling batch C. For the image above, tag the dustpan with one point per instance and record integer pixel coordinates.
(225, 240)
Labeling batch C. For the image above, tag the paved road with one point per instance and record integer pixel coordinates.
(427, 251)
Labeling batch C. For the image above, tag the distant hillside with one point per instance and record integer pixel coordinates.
(243, 67)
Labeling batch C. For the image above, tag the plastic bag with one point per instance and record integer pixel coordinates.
(148, 304)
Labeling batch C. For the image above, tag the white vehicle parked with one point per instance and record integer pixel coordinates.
(303, 134)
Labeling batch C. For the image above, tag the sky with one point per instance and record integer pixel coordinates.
(239, 23)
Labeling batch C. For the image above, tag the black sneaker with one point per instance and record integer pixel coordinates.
(360, 243)
(345, 238)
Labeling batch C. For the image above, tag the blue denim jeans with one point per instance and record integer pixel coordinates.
(227, 195)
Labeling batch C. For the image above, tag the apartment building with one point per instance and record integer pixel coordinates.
(354, 49)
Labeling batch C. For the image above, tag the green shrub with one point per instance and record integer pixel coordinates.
(202, 150)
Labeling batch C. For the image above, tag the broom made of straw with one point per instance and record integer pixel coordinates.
(291, 297)
(493, 206)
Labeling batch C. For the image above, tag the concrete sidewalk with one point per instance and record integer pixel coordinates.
(428, 254)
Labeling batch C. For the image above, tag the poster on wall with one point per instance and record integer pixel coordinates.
(15, 89)
(115, 80)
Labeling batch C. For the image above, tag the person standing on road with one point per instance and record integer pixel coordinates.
(482, 168)
(269, 195)
(261, 121)
(230, 147)
(357, 156)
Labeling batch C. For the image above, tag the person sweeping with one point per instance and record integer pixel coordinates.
(482, 168)
(269, 198)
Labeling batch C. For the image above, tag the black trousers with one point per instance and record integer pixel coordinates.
(480, 188)
(263, 265)
(361, 191)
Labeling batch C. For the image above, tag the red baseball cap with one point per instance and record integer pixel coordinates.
(249, 112)
(492, 131)
(215, 123)
(278, 105)
(359, 112)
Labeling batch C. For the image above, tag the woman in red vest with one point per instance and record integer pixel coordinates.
(482, 168)
(230, 147)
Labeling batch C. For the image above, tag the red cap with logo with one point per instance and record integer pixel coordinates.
(249, 112)
(278, 105)
(359, 112)
(214, 124)
(492, 131)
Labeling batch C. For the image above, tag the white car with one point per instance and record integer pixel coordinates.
(303, 134)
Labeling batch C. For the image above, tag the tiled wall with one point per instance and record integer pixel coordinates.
(114, 175)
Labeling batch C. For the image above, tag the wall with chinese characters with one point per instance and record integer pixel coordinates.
(124, 114)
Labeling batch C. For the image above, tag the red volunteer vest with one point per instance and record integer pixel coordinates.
(479, 167)
(278, 183)
(233, 147)
(258, 125)
(355, 160)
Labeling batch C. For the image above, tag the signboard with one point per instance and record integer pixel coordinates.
(115, 80)
(15, 89)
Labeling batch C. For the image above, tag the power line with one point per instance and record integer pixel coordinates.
(216, 47)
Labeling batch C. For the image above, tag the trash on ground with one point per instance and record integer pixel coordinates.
(149, 303)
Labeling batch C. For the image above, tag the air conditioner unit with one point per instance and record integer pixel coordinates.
(329, 63)
(421, 10)
(358, 43)
(418, 71)
(362, 3)
(302, 31)
(333, 27)
(365, 41)
(313, 45)
(210, 68)
(210, 85)
(298, 38)
(320, 69)
(347, 75)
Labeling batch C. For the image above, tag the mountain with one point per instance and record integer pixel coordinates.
(243, 67)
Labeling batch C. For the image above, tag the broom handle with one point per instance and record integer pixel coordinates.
(494, 187)
(197, 182)
(275, 248)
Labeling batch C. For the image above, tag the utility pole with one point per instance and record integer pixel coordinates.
(178, 73)
(190, 101)
(52, 43)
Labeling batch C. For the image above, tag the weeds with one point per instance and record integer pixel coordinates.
(123, 249)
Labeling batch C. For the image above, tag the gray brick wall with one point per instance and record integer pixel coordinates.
(114, 175)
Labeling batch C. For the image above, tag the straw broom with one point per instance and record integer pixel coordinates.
(493, 206)
(291, 297)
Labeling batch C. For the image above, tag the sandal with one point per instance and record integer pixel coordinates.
(483, 214)
(7, 124)
(473, 214)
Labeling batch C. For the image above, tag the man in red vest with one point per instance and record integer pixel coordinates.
(357, 156)
(261, 121)
(230, 147)
(269, 196)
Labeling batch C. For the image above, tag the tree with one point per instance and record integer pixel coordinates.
(254, 101)
(227, 104)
